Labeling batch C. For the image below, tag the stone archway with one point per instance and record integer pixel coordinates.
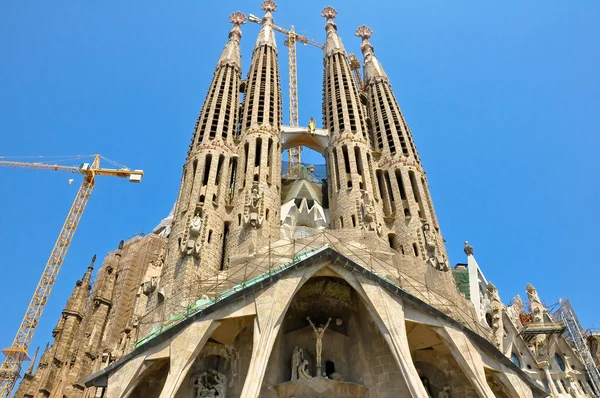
(435, 365)
(352, 345)
(151, 381)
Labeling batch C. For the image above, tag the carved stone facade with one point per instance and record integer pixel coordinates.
(263, 284)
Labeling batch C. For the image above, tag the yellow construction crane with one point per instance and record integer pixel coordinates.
(355, 67)
(16, 354)
(290, 41)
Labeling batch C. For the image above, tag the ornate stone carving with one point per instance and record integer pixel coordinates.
(252, 215)
(193, 244)
(368, 214)
(211, 383)
(150, 285)
(468, 249)
(444, 393)
(497, 307)
(435, 259)
(320, 331)
(537, 308)
(297, 359)
(303, 372)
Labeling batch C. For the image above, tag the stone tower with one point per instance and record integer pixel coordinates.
(54, 364)
(411, 223)
(350, 163)
(258, 181)
(201, 223)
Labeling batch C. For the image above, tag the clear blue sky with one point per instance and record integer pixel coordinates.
(502, 98)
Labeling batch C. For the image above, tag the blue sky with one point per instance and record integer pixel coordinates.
(502, 99)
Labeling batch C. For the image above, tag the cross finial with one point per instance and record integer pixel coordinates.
(237, 18)
(329, 12)
(269, 6)
(364, 32)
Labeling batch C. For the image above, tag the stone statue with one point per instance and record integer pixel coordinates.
(536, 307)
(303, 372)
(436, 259)
(192, 246)
(497, 307)
(468, 249)
(221, 383)
(297, 358)
(444, 393)
(209, 384)
(368, 214)
(320, 331)
(252, 215)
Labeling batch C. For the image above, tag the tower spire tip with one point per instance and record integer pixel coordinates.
(364, 32)
(237, 18)
(269, 6)
(329, 13)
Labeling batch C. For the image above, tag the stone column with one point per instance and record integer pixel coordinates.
(388, 312)
(553, 390)
(271, 306)
(467, 357)
(183, 351)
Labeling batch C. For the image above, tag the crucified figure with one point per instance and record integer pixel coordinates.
(320, 331)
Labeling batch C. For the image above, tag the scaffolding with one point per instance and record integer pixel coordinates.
(574, 335)
(282, 256)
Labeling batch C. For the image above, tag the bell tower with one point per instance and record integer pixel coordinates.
(353, 200)
(200, 222)
(258, 180)
(402, 185)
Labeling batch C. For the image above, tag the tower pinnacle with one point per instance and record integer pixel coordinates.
(231, 53)
(266, 37)
(333, 43)
(372, 66)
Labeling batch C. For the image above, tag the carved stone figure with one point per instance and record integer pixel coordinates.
(320, 331)
(252, 215)
(192, 246)
(435, 259)
(211, 383)
(368, 214)
(221, 383)
(468, 249)
(297, 358)
(497, 307)
(229, 197)
(303, 372)
(537, 308)
(444, 393)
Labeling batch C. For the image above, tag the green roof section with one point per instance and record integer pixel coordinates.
(461, 276)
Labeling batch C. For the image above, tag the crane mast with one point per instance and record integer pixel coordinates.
(16, 354)
(293, 153)
(291, 38)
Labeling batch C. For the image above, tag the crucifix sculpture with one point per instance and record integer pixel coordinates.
(320, 331)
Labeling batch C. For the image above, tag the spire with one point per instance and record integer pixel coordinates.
(333, 43)
(372, 66)
(266, 37)
(231, 53)
(76, 303)
(32, 364)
